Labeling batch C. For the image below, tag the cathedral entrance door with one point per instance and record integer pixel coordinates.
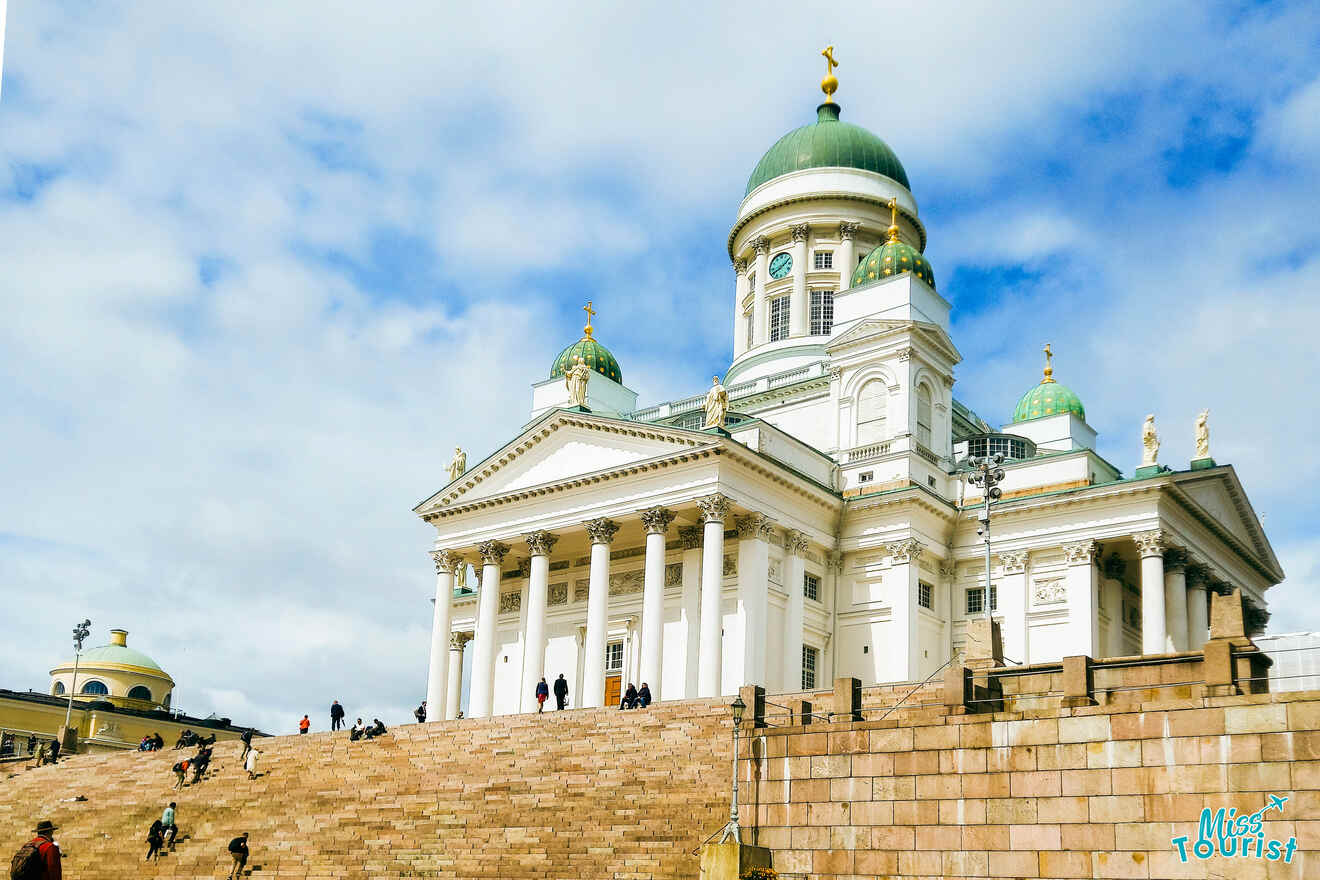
(613, 691)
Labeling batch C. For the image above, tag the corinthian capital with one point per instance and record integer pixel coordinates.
(755, 525)
(714, 508)
(761, 244)
(492, 552)
(1175, 559)
(656, 520)
(905, 551)
(739, 267)
(458, 640)
(1013, 561)
(795, 542)
(800, 231)
(602, 531)
(446, 561)
(848, 231)
(1149, 543)
(541, 543)
(1079, 552)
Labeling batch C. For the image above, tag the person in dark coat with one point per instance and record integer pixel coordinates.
(246, 739)
(238, 848)
(336, 715)
(420, 713)
(542, 694)
(561, 692)
(155, 838)
(629, 700)
(644, 696)
(54, 750)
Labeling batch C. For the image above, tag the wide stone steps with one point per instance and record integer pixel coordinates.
(580, 794)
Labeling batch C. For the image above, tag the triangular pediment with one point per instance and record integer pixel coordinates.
(564, 446)
(1222, 499)
(869, 330)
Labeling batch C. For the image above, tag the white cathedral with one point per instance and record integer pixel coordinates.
(829, 529)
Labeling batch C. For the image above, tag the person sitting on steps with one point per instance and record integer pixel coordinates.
(356, 732)
(629, 700)
(644, 696)
(376, 729)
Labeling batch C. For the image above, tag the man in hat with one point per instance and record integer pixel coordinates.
(45, 853)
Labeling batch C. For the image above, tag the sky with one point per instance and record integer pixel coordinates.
(262, 266)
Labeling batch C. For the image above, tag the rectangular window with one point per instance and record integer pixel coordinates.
(976, 600)
(822, 312)
(824, 260)
(811, 587)
(866, 476)
(925, 595)
(778, 318)
(809, 655)
(751, 328)
(614, 657)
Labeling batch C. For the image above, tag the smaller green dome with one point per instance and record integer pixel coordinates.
(1049, 398)
(893, 258)
(593, 354)
(118, 654)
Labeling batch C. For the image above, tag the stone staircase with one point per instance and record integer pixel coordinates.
(581, 794)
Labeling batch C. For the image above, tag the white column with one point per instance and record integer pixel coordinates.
(797, 305)
(1083, 599)
(1198, 614)
(847, 261)
(714, 509)
(455, 692)
(690, 538)
(905, 560)
(482, 691)
(1111, 583)
(602, 532)
(795, 547)
(761, 333)
(1175, 599)
(656, 521)
(739, 294)
(754, 531)
(539, 544)
(1154, 628)
(437, 677)
(1011, 599)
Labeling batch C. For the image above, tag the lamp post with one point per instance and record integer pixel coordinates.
(738, 707)
(80, 632)
(987, 474)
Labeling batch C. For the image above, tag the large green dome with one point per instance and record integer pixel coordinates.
(893, 258)
(593, 354)
(1049, 398)
(828, 143)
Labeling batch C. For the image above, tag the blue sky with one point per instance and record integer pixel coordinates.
(263, 270)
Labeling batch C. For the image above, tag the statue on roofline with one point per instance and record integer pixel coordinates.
(457, 465)
(1150, 442)
(717, 405)
(575, 380)
(1203, 434)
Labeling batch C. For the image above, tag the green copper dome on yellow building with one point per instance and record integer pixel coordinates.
(828, 143)
(893, 258)
(596, 356)
(1049, 398)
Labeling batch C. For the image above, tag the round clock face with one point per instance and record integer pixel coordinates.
(780, 265)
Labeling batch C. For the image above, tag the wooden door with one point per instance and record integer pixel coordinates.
(613, 690)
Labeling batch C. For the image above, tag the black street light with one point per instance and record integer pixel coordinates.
(80, 632)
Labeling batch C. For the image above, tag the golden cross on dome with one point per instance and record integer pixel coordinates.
(591, 313)
(830, 84)
(893, 218)
(1049, 367)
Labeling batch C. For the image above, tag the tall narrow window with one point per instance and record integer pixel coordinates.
(923, 416)
(614, 657)
(751, 328)
(811, 587)
(925, 595)
(822, 312)
(778, 318)
(824, 260)
(871, 405)
(809, 656)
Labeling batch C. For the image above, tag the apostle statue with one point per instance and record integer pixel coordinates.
(717, 405)
(1150, 442)
(575, 380)
(457, 465)
(1203, 434)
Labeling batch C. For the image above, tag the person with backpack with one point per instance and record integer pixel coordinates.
(336, 715)
(420, 713)
(180, 769)
(39, 858)
(238, 848)
(155, 838)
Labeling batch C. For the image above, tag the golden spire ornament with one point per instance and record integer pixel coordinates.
(1049, 365)
(830, 84)
(591, 313)
(893, 218)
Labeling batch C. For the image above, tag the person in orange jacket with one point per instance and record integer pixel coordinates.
(304, 725)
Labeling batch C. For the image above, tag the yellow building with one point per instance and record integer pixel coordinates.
(121, 696)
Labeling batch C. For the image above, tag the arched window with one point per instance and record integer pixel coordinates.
(140, 693)
(923, 416)
(58, 689)
(95, 688)
(871, 406)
